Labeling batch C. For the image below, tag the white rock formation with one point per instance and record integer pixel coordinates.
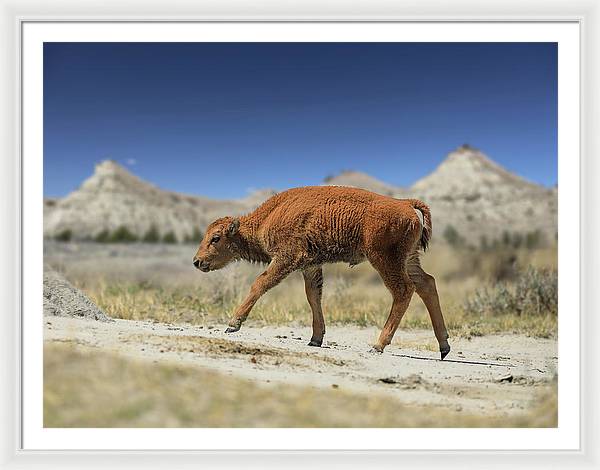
(113, 197)
(476, 196)
(467, 191)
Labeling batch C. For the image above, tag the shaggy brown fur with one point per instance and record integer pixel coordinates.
(303, 228)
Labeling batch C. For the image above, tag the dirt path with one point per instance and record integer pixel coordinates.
(492, 375)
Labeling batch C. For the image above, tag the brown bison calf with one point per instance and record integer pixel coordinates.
(303, 228)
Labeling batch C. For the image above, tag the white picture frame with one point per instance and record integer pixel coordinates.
(16, 14)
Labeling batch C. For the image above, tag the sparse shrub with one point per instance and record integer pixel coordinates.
(504, 266)
(169, 237)
(452, 236)
(495, 244)
(517, 240)
(483, 243)
(102, 237)
(122, 235)
(534, 292)
(534, 240)
(64, 236)
(530, 240)
(152, 235)
(195, 237)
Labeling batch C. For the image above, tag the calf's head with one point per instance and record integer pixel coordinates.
(215, 250)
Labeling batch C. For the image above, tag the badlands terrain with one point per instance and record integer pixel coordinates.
(468, 192)
(134, 335)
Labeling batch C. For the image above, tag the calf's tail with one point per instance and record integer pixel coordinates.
(426, 231)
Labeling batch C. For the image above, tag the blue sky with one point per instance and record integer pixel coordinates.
(219, 119)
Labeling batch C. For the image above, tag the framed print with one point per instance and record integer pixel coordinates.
(249, 237)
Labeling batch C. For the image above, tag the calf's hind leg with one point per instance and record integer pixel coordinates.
(396, 279)
(426, 289)
(313, 285)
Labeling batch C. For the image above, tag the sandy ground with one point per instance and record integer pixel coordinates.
(493, 375)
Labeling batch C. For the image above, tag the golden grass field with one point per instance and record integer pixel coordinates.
(351, 295)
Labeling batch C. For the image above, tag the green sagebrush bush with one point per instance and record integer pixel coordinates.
(195, 237)
(102, 237)
(534, 292)
(64, 236)
(123, 235)
(151, 235)
(120, 235)
(169, 237)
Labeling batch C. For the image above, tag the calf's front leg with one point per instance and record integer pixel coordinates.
(273, 275)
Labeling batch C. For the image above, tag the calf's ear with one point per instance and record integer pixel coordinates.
(233, 227)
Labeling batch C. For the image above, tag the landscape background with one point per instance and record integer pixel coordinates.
(477, 203)
(128, 195)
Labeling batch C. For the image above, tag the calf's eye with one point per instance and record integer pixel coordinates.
(215, 239)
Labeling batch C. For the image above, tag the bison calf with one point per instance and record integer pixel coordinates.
(303, 228)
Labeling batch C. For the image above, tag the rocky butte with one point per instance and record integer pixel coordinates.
(468, 192)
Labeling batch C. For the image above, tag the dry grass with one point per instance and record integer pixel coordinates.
(87, 388)
(159, 283)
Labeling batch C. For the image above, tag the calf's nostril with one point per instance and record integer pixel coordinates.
(197, 263)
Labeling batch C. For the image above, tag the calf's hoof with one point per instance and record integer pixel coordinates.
(444, 350)
(315, 342)
(376, 350)
(232, 329)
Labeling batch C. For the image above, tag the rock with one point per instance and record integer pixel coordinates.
(113, 197)
(389, 380)
(409, 382)
(63, 300)
(358, 179)
(508, 378)
(475, 195)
